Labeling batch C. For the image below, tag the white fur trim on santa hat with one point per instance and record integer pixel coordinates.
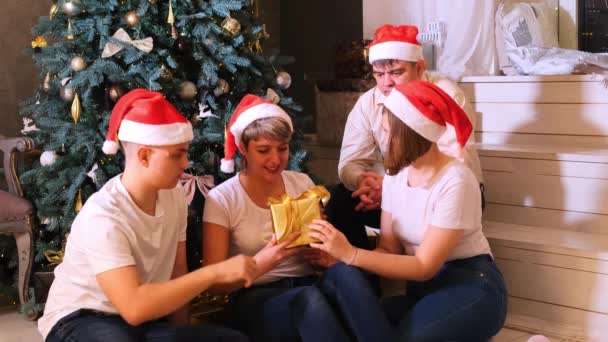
(155, 135)
(261, 111)
(110, 147)
(395, 50)
(227, 165)
(399, 105)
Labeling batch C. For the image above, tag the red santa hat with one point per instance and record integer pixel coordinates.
(146, 117)
(250, 108)
(395, 42)
(426, 109)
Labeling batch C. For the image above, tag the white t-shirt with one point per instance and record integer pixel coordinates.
(250, 226)
(450, 200)
(110, 232)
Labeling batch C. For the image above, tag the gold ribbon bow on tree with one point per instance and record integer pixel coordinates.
(190, 183)
(56, 257)
(145, 45)
(291, 215)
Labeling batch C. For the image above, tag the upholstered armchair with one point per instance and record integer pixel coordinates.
(17, 213)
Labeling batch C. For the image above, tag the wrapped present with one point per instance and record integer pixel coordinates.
(291, 215)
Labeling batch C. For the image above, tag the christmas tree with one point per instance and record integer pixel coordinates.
(202, 55)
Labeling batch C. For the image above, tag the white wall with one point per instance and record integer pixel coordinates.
(379, 12)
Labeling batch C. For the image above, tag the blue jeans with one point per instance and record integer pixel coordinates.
(93, 326)
(465, 301)
(290, 309)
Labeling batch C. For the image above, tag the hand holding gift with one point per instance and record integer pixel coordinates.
(291, 215)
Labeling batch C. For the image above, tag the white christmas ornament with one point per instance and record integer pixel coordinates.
(205, 111)
(92, 174)
(48, 158)
(28, 126)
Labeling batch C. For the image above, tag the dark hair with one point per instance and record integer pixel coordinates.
(274, 128)
(404, 145)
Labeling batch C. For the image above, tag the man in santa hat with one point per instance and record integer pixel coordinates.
(124, 268)
(396, 58)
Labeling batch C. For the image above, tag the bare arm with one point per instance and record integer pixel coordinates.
(432, 253)
(137, 302)
(180, 268)
(388, 242)
(215, 249)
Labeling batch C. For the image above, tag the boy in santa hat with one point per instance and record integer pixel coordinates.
(396, 58)
(124, 268)
(431, 234)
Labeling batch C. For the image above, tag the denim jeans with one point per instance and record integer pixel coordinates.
(465, 301)
(290, 309)
(92, 326)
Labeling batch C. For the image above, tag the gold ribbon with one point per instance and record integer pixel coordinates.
(190, 183)
(291, 215)
(56, 257)
(145, 45)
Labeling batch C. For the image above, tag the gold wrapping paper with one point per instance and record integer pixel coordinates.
(291, 215)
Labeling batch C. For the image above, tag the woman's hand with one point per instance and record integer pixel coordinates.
(332, 241)
(274, 253)
(318, 257)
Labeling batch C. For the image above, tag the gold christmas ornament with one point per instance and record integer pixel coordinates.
(231, 26)
(166, 74)
(70, 35)
(222, 87)
(78, 64)
(71, 7)
(46, 84)
(131, 18)
(283, 80)
(39, 42)
(78, 204)
(174, 33)
(116, 92)
(188, 90)
(76, 108)
(53, 10)
(171, 17)
(67, 93)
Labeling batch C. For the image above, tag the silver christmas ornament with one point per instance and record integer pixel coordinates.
(71, 7)
(78, 63)
(48, 158)
(283, 80)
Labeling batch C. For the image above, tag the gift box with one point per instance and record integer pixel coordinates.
(291, 215)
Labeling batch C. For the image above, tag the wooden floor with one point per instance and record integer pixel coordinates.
(16, 329)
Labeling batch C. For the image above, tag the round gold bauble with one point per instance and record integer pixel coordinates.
(131, 18)
(115, 92)
(283, 80)
(71, 7)
(78, 64)
(188, 90)
(66, 93)
(231, 26)
(222, 87)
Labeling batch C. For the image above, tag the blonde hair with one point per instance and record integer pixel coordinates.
(274, 128)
